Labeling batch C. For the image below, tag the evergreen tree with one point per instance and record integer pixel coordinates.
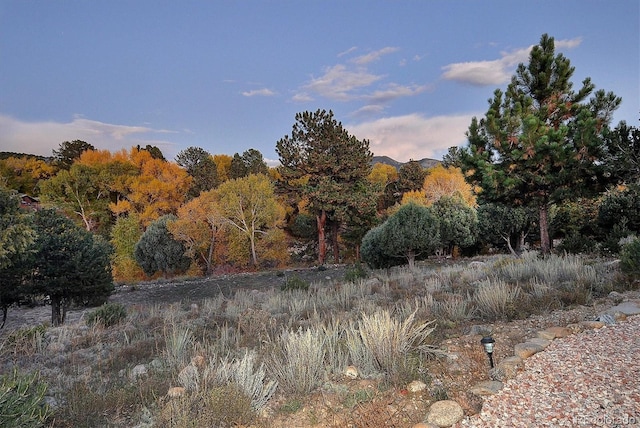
(411, 233)
(159, 251)
(199, 164)
(16, 250)
(540, 141)
(327, 166)
(69, 152)
(458, 222)
(71, 264)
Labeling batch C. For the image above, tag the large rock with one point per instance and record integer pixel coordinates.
(554, 333)
(445, 413)
(592, 324)
(506, 369)
(544, 343)
(527, 349)
(487, 387)
(631, 307)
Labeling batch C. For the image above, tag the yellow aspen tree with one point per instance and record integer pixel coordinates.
(441, 181)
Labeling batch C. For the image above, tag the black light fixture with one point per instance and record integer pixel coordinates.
(488, 342)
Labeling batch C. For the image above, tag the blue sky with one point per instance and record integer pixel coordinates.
(228, 76)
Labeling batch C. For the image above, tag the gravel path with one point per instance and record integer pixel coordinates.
(590, 379)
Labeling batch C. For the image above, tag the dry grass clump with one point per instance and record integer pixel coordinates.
(221, 406)
(296, 360)
(382, 343)
(245, 375)
(496, 299)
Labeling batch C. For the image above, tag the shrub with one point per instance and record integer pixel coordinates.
(22, 401)
(107, 315)
(630, 259)
(224, 406)
(294, 283)
(577, 243)
(355, 273)
(28, 340)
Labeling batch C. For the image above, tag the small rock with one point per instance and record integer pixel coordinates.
(198, 361)
(351, 372)
(416, 386)
(527, 349)
(138, 371)
(627, 308)
(606, 319)
(488, 387)
(445, 413)
(424, 425)
(156, 363)
(619, 316)
(176, 391)
(575, 328)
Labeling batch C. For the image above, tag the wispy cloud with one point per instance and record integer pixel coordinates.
(373, 56)
(394, 91)
(352, 80)
(264, 92)
(339, 82)
(301, 97)
(348, 51)
(498, 71)
(41, 138)
(413, 136)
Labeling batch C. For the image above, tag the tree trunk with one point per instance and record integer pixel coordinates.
(4, 315)
(321, 220)
(254, 257)
(334, 238)
(545, 245)
(411, 259)
(56, 316)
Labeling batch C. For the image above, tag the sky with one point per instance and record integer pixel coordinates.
(229, 76)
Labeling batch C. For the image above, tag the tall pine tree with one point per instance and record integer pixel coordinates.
(540, 142)
(328, 167)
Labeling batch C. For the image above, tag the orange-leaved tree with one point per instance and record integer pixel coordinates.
(159, 188)
(199, 225)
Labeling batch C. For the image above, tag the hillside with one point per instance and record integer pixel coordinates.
(426, 162)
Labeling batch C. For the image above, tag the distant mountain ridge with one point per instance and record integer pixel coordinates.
(426, 162)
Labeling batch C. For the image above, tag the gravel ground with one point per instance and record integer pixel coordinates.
(590, 379)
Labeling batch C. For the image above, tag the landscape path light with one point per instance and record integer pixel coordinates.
(488, 342)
